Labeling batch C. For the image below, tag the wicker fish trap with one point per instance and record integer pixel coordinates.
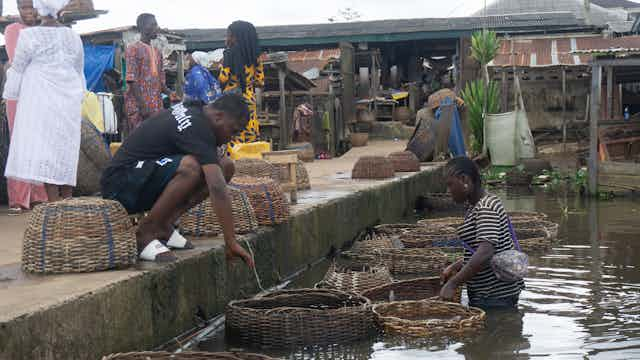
(372, 243)
(395, 229)
(428, 318)
(78, 235)
(151, 355)
(454, 222)
(373, 167)
(533, 240)
(405, 161)
(414, 289)
(201, 220)
(355, 278)
(300, 317)
(518, 215)
(256, 168)
(302, 176)
(426, 261)
(445, 237)
(269, 203)
(440, 202)
(551, 227)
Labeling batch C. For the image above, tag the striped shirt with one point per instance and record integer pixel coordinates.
(488, 221)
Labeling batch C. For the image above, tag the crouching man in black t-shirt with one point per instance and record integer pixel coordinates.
(170, 164)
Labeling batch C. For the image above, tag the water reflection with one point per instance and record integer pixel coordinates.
(582, 299)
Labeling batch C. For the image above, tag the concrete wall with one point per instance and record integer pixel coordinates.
(152, 307)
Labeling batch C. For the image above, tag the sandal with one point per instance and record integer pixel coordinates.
(15, 211)
(179, 242)
(154, 249)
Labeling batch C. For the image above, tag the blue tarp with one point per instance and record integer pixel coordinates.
(456, 138)
(97, 60)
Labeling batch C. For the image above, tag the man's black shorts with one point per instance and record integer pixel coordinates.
(139, 186)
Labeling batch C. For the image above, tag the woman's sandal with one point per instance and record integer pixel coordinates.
(156, 251)
(179, 242)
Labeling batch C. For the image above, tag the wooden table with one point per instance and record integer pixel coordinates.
(289, 158)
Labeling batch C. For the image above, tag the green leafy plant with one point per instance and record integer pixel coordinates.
(484, 48)
(475, 97)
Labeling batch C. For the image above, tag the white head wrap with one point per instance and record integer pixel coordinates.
(49, 7)
(201, 58)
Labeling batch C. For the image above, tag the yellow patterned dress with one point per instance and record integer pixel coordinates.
(254, 79)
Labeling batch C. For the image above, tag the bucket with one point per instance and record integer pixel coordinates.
(501, 138)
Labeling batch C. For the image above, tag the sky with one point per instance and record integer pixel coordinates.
(219, 14)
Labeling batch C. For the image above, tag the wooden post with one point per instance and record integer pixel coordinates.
(505, 91)
(282, 75)
(180, 75)
(610, 92)
(564, 110)
(596, 91)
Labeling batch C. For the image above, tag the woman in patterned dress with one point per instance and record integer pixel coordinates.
(242, 72)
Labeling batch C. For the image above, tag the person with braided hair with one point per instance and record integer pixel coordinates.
(241, 72)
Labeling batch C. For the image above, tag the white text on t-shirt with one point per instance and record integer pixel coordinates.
(179, 112)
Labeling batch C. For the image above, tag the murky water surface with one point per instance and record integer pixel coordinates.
(582, 299)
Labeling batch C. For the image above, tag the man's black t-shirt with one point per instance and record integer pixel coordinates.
(182, 130)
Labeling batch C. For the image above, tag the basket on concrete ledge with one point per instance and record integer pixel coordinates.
(405, 161)
(300, 317)
(266, 197)
(201, 220)
(373, 167)
(355, 278)
(414, 289)
(426, 318)
(302, 176)
(159, 355)
(256, 168)
(78, 235)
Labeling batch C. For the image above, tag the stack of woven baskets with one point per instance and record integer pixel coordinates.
(78, 235)
(355, 278)
(300, 317)
(423, 288)
(256, 168)
(373, 167)
(201, 220)
(405, 161)
(266, 197)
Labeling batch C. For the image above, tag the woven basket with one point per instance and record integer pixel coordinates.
(395, 229)
(78, 235)
(426, 262)
(300, 317)
(534, 240)
(405, 161)
(359, 139)
(256, 168)
(150, 355)
(440, 202)
(266, 197)
(302, 176)
(372, 243)
(519, 215)
(445, 237)
(355, 278)
(551, 227)
(94, 157)
(79, 6)
(373, 167)
(428, 318)
(454, 222)
(414, 289)
(201, 220)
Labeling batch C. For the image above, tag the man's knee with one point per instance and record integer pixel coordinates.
(190, 167)
(228, 168)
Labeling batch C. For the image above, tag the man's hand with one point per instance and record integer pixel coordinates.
(449, 272)
(448, 292)
(235, 250)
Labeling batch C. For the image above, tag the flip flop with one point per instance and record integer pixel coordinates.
(179, 242)
(155, 248)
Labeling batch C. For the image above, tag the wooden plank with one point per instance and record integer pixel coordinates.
(596, 90)
(282, 75)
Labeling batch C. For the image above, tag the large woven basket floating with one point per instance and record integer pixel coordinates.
(355, 278)
(428, 318)
(256, 168)
(534, 240)
(440, 202)
(426, 262)
(302, 176)
(405, 161)
(201, 220)
(78, 235)
(519, 215)
(151, 355)
(454, 222)
(414, 289)
(300, 317)
(445, 237)
(266, 197)
(551, 227)
(373, 167)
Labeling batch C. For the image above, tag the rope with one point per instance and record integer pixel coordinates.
(255, 270)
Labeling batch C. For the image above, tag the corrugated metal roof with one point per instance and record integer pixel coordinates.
(554, 51)
(302, 61)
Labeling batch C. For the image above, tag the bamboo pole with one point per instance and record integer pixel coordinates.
(596, 90)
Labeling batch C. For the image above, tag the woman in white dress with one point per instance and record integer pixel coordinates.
(47, 76)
